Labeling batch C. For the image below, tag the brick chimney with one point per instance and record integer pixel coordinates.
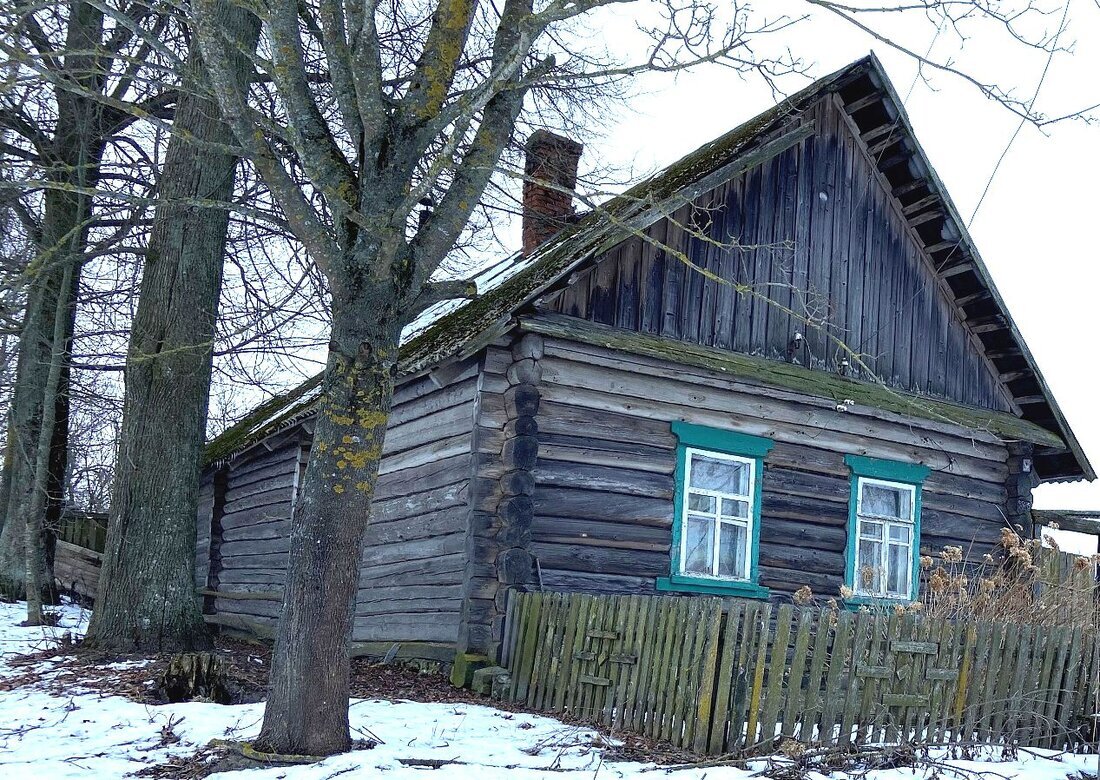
(551, 167)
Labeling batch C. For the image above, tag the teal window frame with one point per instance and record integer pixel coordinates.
(754, 448)
(891, 472)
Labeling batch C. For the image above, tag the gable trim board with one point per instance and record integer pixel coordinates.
(872, 107)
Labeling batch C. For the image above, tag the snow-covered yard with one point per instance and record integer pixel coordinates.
(85, 734)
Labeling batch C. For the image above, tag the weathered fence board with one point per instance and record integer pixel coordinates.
(719, 676)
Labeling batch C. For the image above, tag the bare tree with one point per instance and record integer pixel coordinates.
(147, 593)
(71, 72)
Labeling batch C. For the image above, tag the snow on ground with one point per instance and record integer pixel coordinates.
(19, 640)
(85, 734)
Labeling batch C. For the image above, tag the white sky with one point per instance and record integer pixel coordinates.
(1036, 227)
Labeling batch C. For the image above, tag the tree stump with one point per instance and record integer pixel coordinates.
(196, 676)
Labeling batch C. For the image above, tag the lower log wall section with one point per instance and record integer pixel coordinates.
(414, 556)
(603, 498)
(728, 676)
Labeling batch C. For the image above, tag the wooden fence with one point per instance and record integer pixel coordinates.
(84, 529)
(721, 676)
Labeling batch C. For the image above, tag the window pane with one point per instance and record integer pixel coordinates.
(899, 533)
(700, 503)
(885, 501)
(700, 545)
(731, 551)
(869, 529)
(734, 508)
(723, 476)
(899, 562)
(869, 567)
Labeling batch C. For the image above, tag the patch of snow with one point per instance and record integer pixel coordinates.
(84, 735)
(22, 640)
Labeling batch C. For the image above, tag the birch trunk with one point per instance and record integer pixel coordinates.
(147, 595)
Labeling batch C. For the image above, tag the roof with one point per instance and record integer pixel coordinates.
(461, 329)
(1080, 520)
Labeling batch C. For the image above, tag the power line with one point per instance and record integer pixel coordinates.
(1024, 118)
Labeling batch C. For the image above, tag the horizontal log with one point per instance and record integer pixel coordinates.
(600, 560)
(591, 504)
(242, 595)
(442, 568)
(606, 479)
(256, 516)
(437, 627)
(586, 582)
(264, 629)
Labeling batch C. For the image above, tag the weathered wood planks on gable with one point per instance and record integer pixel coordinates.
(814, 231)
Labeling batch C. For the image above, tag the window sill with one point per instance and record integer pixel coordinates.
(746, 590)
(855, 603)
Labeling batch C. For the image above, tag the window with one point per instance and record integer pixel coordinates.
(884, 528)
(716, 518)
(717, 521)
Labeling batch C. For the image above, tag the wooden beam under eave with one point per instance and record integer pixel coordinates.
(872, 132)
(920, 205)
(974, 297)
(955, 270)
(942, 245)
(1027, 400)
(863, 102)
(905, 189)
(927, 216)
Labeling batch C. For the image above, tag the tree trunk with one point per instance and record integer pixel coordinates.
(307, 705)
(147, 585)
(76, 148)
(36, 573)
(52, 290)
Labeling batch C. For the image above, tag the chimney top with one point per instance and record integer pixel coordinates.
(550, 179)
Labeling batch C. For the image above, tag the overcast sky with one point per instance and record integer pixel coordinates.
(1036, 229)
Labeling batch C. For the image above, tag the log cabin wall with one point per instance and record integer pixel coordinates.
(603, 495)
(414, 558)
(248, 528)
(814, 230)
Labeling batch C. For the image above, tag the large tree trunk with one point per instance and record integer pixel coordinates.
(307, 705)
(147, 585)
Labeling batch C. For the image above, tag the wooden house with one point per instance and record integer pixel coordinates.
(779, 362)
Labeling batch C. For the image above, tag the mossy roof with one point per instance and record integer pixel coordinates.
(467, 327)
(602, 228)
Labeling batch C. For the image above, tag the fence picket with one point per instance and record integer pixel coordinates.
(740, 693)
(756, 692)
(773, 701)
(635, 720)
(729, 641)
(1064, 713)
(795, 695)
(838, 661)
(704, 697)
(860, 649)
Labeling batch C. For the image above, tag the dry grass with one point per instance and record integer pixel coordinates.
(1019, 581)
